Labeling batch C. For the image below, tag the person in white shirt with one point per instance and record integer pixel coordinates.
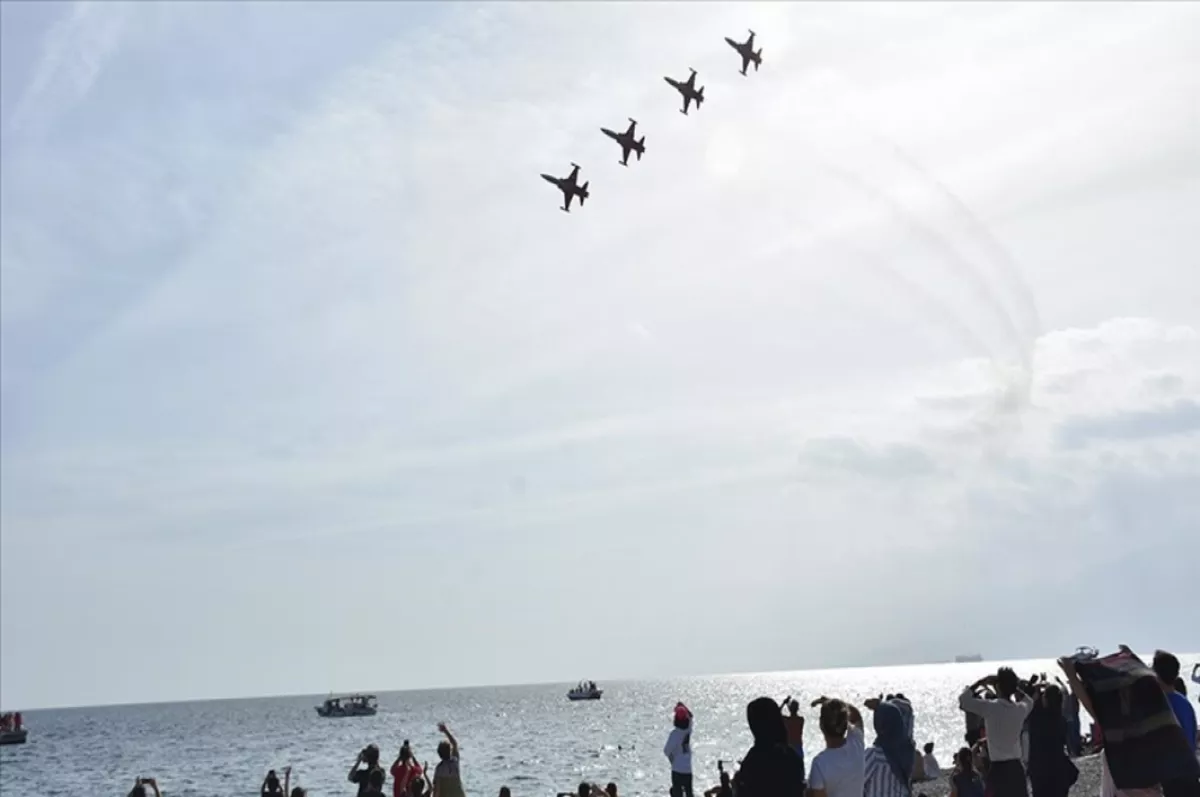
(678, 751)
(932, 770)
(1004, 719)
(840, 769)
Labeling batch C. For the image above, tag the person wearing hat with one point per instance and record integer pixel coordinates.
(678, 751)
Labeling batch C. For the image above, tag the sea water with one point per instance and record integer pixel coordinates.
(530, 738)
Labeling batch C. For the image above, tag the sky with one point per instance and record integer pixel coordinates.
(889, 352)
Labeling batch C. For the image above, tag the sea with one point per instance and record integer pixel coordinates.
(529, 738)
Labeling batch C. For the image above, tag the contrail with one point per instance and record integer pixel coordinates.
(1008, 266)
(936, 243)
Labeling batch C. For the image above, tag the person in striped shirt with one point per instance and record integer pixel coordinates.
(888, 763)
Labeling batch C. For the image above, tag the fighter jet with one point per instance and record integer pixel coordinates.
(569, 187)
(627, 141)
(688, 90)
(746, 51)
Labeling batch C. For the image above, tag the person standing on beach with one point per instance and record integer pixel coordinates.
(840, 769)
(447, 776)
(678, 751)
(404, 770)
(1003, 721)
(369, 756)
(1071, 716)
(890, 760)
(1051, 773)
(794, 724)
(772, 767)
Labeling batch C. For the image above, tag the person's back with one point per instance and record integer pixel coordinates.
(1185, 714)
(774, 771)
(840, 771)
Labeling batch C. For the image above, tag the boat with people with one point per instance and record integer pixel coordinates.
(14, 737)
(12, 729)
(349, 706)
(586, 690)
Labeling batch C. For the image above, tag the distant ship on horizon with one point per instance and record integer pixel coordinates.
(970, 658)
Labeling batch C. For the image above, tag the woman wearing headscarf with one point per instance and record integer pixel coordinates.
(889, 761)
(771, 768)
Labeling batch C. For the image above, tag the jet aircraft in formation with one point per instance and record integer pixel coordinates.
(746, 51)
(569, 185)
(627, 141)
(689, 91)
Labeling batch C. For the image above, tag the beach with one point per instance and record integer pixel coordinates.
(1088, 784)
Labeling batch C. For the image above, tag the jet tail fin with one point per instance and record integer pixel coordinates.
(700, 97)
(758, 59)
(583, 194)
(641, 147)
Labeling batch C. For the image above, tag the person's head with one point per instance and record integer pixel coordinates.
(793, 707)
(889, 723)
(272, 778)
(504, 792)
(929, 748)
(138, 790)
(682, 718)
(418, 787)
(299, 792)
(611, 790)
(444, 750)
(584, 789)
(964, 760)
(1166, 667)
(1052, 699)
(1180, 687)
(371, 755)
(835, 719)
(405, 752)
(765, 721)
(1006, 682)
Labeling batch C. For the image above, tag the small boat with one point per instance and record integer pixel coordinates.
(14, 737)
(970, 658)
(585, 691)
(349, 706)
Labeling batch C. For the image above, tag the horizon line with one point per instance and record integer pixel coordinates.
(470, 687)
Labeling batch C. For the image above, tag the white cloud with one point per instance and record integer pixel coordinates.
(260, 320)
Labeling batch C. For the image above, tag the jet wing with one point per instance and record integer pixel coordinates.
(571, 178)
(626, 146)
(745, 60)
(567, 197)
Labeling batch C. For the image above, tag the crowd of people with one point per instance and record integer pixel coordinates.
(1021, 736)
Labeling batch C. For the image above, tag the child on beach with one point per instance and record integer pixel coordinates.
(965, 781)
(678, 751)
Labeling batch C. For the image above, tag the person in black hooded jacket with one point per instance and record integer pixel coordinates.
(770, 768)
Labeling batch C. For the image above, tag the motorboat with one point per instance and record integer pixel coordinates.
(968, 658)
(349, 706)
(17, 736)
(586, 690)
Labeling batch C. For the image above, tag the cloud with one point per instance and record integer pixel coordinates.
(286, 292)
(1180, 417)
